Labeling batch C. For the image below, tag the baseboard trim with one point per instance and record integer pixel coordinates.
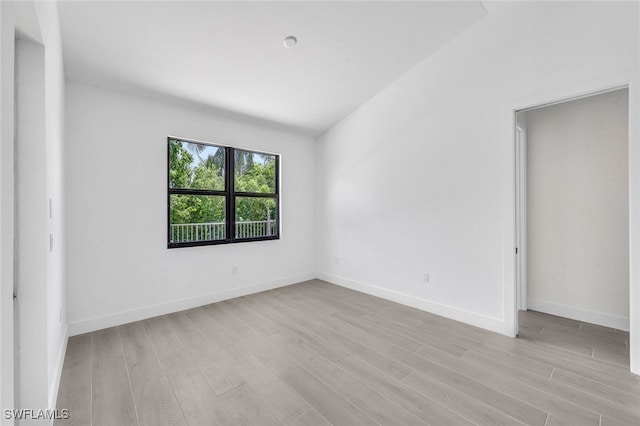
(578, 314)
(53, 390)
(488, 323)
(119, 318)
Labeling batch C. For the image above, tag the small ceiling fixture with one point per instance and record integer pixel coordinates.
(290, 42)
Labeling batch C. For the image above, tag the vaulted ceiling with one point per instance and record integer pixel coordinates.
(230, 56)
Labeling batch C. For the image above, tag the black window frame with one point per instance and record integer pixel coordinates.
(229, 193)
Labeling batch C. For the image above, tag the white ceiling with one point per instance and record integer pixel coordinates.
(230, 55)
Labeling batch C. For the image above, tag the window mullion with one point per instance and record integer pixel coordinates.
(187, 191)
(231, 202)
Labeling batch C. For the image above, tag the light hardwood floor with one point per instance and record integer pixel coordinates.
(318, 354)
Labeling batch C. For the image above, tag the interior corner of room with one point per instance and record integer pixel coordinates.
(489, 165)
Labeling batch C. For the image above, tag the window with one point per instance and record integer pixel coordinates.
(220, 194)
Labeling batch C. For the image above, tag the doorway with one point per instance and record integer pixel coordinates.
(572, 217)
(30, 225)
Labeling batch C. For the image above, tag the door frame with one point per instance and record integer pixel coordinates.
(630, 80)
(521, 216)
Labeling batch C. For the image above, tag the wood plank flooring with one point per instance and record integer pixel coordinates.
(319, 354)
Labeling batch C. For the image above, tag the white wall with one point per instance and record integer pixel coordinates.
(118, 266)
(31, 220)
(47, 13)
(578, 209)
(420, 178)
(45, 290)
(7, 45)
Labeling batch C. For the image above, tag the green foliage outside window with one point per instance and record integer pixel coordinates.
(202, 167)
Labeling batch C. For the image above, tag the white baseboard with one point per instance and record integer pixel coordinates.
(119, 318)
(53, 390)
(584, 315)
(488, 323)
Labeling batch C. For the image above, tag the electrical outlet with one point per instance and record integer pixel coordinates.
(425, 277)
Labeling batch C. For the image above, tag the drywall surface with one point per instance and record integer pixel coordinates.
(578, 208)
(32, 161)
(416, 180)
(54, 201)
(31, 224)
(7, 106)
(118, 266)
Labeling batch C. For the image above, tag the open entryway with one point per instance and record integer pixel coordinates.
(572, 224)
